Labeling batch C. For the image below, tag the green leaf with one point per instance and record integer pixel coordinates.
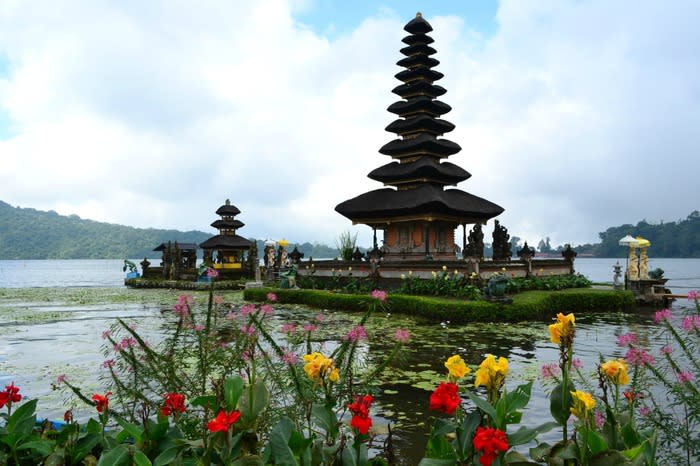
(442, 427)
(596, 442)
(261, 396)
(560, 412)
(519, 398)
(325, 418)
(541, 451)
(85, 446)
(439, 447)
(133, 430)
(630, 436)
(513, 458)
(205, 401)
(22, 421)
(527, 434)
(233, 388)
(483, 405)
(93, 427)
(437, 462)
(282, 454)
(166, 457)
(348, 457)
(465, 434)
(140, 459)
(43, 447)
(609, 458)
(117, 456)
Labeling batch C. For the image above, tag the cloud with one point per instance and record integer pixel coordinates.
(574, 116)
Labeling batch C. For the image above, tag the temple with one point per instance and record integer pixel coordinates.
(416, 212)
(226, 251)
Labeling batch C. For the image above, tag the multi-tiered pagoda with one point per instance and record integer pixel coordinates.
(418, 215)
(225, 251)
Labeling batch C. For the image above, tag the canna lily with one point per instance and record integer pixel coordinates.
(317, 367)
(445, 398)
(490, 442)
(360, 413)
(223, 421)
(174, 402)
(583, 404)
(615, 371)
(563, 328)
(457, 367)
(101, 402)
(491, 373)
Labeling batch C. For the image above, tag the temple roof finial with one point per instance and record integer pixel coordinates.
(419, 14)
(228, 202)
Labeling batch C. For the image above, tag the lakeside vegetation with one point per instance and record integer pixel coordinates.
(27, 233)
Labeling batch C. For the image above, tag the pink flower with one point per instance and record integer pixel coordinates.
(550, 371)
(667, 349)
(685, 377)
(320, 317)
(231, 315)
(309, 328)
(248, 330)
(693, 295)
(626, 339)
(644, 411)
(290, 358)
(60, 379)
(662, 315)
(356, 334)
(272, 297)
(599, 419)
(402, 335)
(289, 328)
(218, 299)
(181, 309)
(106, 334)
(379, 294)
(245, 355)
(691, 323)
(212, 273)
(248, 309)
(639, 357)
(577, 363)
(199, 327)
(185, 299)
(107, 364)
(266, 310)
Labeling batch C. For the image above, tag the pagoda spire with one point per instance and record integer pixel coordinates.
(419, 173)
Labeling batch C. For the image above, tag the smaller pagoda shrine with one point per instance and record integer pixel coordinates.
(226, 252)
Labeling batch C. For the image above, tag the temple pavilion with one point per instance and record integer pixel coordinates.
(225, 251)
(416, 211)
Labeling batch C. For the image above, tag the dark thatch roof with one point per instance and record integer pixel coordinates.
(182, 246)
(424, 167)
(226, 242)
(227, 224)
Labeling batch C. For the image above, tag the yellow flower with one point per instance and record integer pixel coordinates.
(317, 366)
(562, 328)
(616, 371)
(491, 373)
(457, 367)
(583, 404)
(444, 267)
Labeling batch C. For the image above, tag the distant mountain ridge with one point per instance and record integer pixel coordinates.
(27, 233)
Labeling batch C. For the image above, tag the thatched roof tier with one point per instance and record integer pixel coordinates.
(182, 246)
(414, 74)
(419, 88)
(418, 60)
(230, 224)
(226, 242)
(418, 48)
(417, 39)
(424, 169)
(424, 144)
(418, 25)
(426, 201)
(420, 123)
(419, 105)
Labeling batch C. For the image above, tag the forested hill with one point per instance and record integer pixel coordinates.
(34, 234)
(674, 239)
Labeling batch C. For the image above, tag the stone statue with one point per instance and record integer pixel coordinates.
(643, 264)
(475, 246)
(617, 277)
(296, 255)
(632, 268)
(253, 261)
(357, 255)
(526, 253)
(501, 243)
(569, 254)
(145, 264)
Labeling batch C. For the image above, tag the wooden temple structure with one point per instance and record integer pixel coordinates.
(227, 252)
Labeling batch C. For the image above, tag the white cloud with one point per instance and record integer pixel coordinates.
(574, 116)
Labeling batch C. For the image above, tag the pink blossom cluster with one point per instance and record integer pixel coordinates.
(626, 339)
(248, 330)
(248, 309)
(691, 323)
(639, 357)
(272, 297)
(402, 335)
(289, 328)
(357, 333)
(662, 315)
(105, 364)
(693, 295)
(310, 327)
(666, 349)
(685, 377)
(550, 371)
(577, 363)
(126, 343)
(106, 334)
(290, 358)
(212, 273)
(182, 307)
(266, 310)
(379, 294)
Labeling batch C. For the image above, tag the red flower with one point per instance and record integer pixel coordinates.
(10, 395)
(173, 402)
(490, 442)
(101, 401)
(224, 421)
(445, 398)
(68, 416)
(360, 413)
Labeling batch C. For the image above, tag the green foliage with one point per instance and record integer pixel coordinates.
(33, 234)
(441, 284)
(346, 244)
(527, 305)
(551, 283)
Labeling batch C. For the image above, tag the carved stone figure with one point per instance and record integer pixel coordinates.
(501, 243)
(296, 256)
(632, 267)
(643, 264)
(475, 246)
(526, 253)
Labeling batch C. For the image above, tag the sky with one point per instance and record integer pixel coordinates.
(573, 115)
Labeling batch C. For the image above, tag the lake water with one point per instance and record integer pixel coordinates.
(52, 314)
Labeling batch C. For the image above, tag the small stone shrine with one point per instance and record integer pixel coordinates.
(416, 212)
(501, 243)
